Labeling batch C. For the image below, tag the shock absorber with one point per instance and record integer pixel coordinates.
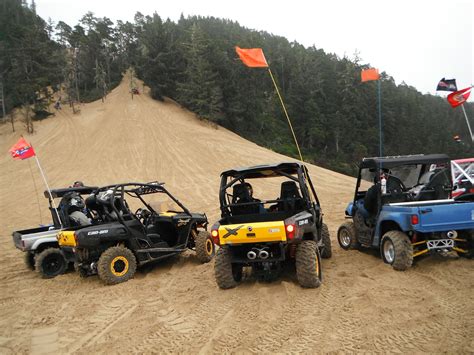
(292, 250)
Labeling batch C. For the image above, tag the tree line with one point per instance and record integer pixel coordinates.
(193, 61)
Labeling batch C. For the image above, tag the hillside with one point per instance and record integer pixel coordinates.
(176, 306)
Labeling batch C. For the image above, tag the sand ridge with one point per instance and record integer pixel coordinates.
(176, 306)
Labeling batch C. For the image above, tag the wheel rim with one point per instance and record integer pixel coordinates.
(316, 267)
(209, 246)
(52, 264)
(345, 237)
(388, 251)
(119, 266)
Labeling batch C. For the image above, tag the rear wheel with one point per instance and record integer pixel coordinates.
(205, 249)
(227, 274)
(396, 250)
(30, 260)
(308, 264)
(50, 263)
(116, 265)
(347, 237)
(325, 250)
(469, 246)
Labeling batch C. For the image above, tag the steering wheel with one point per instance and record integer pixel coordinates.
(142, 214)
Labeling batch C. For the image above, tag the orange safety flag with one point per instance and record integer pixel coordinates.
(252, 57)
(22, 150)
(369, 74)
(459, 97)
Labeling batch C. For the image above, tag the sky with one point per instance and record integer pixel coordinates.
(417, 42)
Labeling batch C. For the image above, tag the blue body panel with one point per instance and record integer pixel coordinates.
(433, 216)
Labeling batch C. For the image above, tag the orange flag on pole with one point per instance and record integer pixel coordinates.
(22, 150)
(369, 74)
(252, 57)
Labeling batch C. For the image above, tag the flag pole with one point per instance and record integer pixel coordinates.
(36, 192)
(467, 121)
(379, 96)
(49, 191)
(286, 114)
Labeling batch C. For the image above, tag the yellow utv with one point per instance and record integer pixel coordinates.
(270, 215)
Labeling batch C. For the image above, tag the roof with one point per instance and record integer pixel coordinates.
(83, 190)
(389, 162)
(266, 170)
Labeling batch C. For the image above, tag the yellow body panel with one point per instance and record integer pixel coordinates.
(66, 238)
(259, 232)
(167, 214)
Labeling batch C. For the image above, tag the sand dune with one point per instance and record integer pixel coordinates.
(363, 305)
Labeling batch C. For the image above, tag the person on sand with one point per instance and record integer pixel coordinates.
(57, 105)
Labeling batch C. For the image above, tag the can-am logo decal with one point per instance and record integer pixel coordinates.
(304, 221)
(231, 231)
(182, 222)
(104, 231)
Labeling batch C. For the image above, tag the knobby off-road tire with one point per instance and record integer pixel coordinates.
(396, 250)
(347, 236)
(50, 263)
(227, 275)
(205, 248)
(469, 246)
(325, 250)
(116, 265)
(308, 264)
(29, 260)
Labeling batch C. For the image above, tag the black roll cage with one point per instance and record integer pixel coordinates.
(378, 164)
(136, 190)
(252, 173)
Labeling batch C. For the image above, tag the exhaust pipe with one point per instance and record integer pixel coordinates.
(263, 254)
(251, 255)
(452, 234)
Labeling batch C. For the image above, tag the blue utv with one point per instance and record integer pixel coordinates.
(402, 207)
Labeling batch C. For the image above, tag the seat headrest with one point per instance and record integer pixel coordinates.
(289, 190)
(240, 191)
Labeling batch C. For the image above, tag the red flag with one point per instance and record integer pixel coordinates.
(369, 74)
(22, 150)
(252, 57)
(459, 97)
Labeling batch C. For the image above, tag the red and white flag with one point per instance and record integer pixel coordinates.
(22, 150)
(459, 97)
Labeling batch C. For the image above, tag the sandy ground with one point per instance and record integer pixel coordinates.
(175, 306)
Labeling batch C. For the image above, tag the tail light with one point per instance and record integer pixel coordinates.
(215, 235)
(414, 219)
(290, 231)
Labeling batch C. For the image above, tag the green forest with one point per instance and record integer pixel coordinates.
(193, 62)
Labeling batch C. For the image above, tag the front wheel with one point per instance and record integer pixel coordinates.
(227, 274)
(347, 237)
(204, 246)
(116, 265)
(50, 263)
(396, 250)
(308, 264)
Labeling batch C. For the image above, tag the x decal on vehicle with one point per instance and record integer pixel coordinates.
(231, 231)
